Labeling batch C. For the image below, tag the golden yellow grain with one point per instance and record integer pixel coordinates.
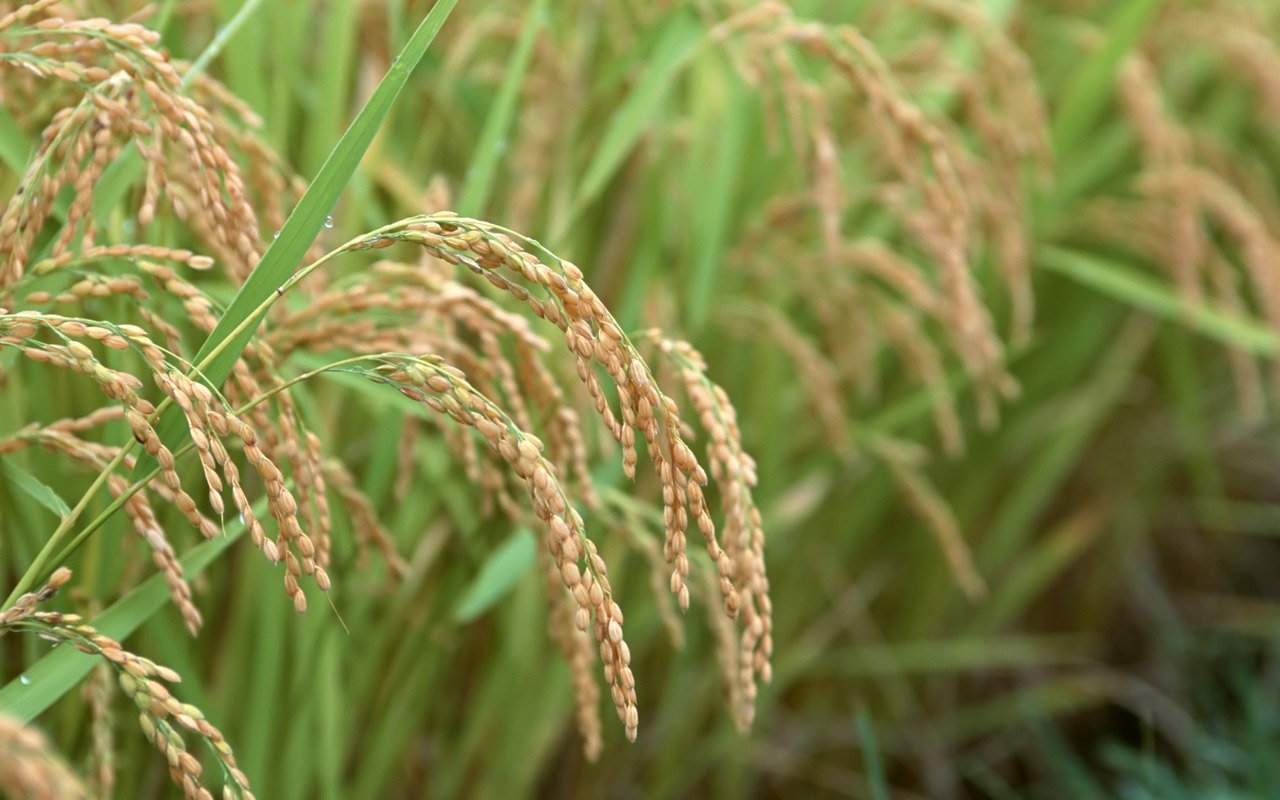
(142, 681)
(580, 568)
(29, 768)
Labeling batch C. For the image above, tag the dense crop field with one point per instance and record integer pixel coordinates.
(674, 399)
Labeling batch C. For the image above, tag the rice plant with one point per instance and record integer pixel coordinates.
(460, 322)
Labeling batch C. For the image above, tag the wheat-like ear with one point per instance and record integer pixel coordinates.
(1202, 213)
(734, 471)
(576, 646)
(446, 391)
(952, 183)
(30, 769)
(127, 91)
(554, 290)
(109, 88)
(165, 720)
(211, 423)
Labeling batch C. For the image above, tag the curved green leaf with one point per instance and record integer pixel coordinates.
(300, 230)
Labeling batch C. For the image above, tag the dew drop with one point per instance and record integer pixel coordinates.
(24, 679)
(275, 235)
(328, 222)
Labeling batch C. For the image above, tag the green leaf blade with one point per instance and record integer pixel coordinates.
(289, 248)
(34, 488)
(498, 576)
(60, 671)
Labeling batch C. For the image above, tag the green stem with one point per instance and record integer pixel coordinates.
(136, 486)
(220, 41)
(40, 566)
(37, 567)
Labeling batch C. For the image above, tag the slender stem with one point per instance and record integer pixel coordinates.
(256, 316)
(28, 579)
(117, 502)
(39, 566)
(220, 40)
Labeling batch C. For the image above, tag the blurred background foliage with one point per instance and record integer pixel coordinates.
(993, 286)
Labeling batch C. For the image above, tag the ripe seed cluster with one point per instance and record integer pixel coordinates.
(163, 717)
(30, 769)
(445, 390)
(122, 89)
(209, 423)
(734, 472)
(396, 307)
(596, 341)
(559, 294)
(128, 91)
(954, 184)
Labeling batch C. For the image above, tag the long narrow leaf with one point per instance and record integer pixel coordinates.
(497, 576)
(300, 230)
(638, 113)
(1093, 83)
(497, 125)
(36, 489)
(60, 671)
(1126, 285)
